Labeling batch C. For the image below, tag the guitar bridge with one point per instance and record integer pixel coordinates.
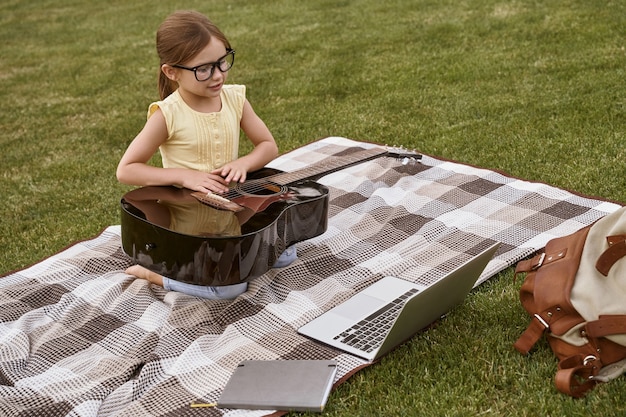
(217, 201)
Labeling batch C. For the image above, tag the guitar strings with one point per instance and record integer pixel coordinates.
(262, 184)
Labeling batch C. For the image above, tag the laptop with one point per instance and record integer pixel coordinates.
(392, 310)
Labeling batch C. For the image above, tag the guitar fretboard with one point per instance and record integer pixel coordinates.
(326, 166)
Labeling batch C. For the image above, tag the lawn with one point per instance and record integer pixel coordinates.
(531, 88)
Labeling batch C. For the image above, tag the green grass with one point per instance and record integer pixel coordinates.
(532, 88)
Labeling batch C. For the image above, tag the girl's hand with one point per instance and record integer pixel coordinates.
(204, 182)
(234, 171)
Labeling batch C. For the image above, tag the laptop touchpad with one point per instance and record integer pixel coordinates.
(358, 306)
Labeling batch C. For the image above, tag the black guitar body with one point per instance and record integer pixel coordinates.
(168, 231)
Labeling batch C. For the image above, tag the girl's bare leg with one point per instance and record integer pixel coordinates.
(144, 273)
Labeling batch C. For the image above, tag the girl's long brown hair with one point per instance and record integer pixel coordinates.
(181, 36)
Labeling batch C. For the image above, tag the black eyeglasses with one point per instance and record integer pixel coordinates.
(205, 71)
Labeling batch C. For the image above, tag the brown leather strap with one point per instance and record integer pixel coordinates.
(537, 261)
(531, 335)
(574, 375)
(528, 265)
(606, 325)
(612, 240)
(615, 251)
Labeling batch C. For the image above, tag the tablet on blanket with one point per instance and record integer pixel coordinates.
(289, 385)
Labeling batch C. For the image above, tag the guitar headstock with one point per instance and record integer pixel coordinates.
(405, 155)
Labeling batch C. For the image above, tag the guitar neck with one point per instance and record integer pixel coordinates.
(326, 166)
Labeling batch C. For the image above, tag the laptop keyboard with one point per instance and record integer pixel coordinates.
(369, 333)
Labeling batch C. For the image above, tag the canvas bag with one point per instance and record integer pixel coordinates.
(575, 292)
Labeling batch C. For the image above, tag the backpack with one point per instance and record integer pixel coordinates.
(575, 293)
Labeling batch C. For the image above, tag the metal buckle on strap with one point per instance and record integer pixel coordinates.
(588, 359)
(540, 262)
(542, 321)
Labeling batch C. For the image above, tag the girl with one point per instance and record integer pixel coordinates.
(196, 128)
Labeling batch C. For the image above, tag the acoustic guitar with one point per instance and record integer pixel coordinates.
(211, 239)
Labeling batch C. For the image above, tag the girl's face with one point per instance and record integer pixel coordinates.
(199, 67)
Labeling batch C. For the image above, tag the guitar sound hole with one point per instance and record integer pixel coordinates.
(261, 188)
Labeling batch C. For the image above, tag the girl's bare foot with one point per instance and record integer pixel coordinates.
(144, 273)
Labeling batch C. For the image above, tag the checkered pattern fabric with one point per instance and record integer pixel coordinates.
(79, 337)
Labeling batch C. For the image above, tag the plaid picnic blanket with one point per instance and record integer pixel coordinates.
(79, 337)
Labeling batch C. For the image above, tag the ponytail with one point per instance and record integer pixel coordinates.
(166, 86)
